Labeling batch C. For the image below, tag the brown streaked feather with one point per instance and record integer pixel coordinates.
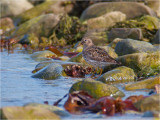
(98, 54)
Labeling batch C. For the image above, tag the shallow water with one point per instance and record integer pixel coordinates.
(19, 88)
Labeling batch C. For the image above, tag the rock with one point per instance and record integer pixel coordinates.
(156, 39)
(6, 24)
(133, 33)
(77, 58)
(150, 103)
(98, 36)
(144, 84)
(154, 4)
(118, 75)
(28, 112)
(37, 27)
(129, 46)
(143, 64)
(49, 6)
(114, 42)
(14, 7)
(96, 89)
(41, 65)
(107, 20)
(110, 51)
(50, 72)
(42, 54)
(57, 110)
(127, 8)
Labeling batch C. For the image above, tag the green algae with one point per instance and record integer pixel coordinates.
(70, 29)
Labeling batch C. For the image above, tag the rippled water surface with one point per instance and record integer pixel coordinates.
(19, 88)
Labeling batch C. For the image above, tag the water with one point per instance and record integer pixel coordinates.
(19, 88)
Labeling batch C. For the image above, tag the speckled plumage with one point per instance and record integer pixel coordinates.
(96, 56)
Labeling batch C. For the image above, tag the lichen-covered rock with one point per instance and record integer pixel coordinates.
(156, 39)
(6, 24)
(42, 54)
(107, 20)
(57, 110)
(50, 6)
(127, 8)
(143, 64)
(50, 72)
(98, 36)
(144, 84)
(14, 7)
(150, 103)
(96, 89)
(118, 75)
(133, 33)
(129, 46)
(39, 26)
(28, 112)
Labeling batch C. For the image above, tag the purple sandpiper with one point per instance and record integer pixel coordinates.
(96, 56)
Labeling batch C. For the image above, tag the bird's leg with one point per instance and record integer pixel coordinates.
(101, 70)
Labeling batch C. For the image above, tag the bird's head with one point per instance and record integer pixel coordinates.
(86, 42)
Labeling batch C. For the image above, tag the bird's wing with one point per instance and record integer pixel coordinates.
(98, 54)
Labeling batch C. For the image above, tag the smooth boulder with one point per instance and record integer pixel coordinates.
(118, 75)
(51, 72)
(127, 8)
(107, 20)
(129, 46)
(96, 89)
(28, 112)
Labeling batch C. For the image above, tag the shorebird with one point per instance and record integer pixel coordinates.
(96, 56)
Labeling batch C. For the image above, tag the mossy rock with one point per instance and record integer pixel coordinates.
(150, 103)
(110, 51)
(28, 112)
(35, 11)
(114, 42)
(107, 20)
(118, 75)
(96, 89)
(37, 27)
(144, 84)
(57, 110)
(144, 64)
(51, 72)
(129, 46)
(42, 54)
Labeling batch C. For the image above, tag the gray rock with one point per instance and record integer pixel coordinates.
(131, 9)
(129, 46)
(133, 33)
(107, 20)
(156, 39)
(50, 72)
(14, 7)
